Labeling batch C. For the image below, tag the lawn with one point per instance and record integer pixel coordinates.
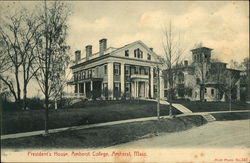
(197, 106)
(105, 136)
(80, 114)
(231, 116)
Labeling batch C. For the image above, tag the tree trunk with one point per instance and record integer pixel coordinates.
(18, 86)
(25, 95)
(46, 127)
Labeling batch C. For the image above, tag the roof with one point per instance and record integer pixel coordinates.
(109, 51)
(201, 48)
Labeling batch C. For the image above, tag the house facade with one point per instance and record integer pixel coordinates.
(204, 79)
(113, 73)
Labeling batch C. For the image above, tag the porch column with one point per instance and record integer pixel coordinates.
(152, 81)
(91, 85)
(161, 85)
(135, 88)
(110, 79)
(84, 88)
(122, 79)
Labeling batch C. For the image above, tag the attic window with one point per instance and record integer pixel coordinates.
(138, 53)
(127, 53)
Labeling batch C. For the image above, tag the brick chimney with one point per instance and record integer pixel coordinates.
(77, 56)
(88, 49)
(102, 46)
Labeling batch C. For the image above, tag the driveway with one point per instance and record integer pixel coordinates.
(217, 134)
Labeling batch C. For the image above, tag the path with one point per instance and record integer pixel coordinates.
(179, 107)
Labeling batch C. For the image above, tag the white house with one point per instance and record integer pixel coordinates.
(129, 71)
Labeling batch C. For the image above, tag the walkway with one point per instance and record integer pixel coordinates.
(33, 133)
(179, 107)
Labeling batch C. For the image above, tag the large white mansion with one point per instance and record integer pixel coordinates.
(126, 72)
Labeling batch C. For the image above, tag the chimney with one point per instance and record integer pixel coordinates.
(151, 49)
(88, 51)
(185, 63)
(77, 55)
(102, 46)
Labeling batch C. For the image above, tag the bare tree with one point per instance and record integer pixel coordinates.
(9, 40)
(20, 37)
(172, 57)
(51, 50)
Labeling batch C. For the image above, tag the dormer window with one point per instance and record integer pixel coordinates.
(149, 57)
(126, 53)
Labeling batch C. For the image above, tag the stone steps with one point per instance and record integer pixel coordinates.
(208, 117)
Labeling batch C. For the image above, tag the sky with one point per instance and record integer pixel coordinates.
(220, 25)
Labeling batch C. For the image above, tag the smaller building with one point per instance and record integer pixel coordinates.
(204, 79)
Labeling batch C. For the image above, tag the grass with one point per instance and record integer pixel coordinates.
(231, 116)
(197, 106)
(105, 136)
(80, 114)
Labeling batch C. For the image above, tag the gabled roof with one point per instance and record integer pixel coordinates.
(141, 43)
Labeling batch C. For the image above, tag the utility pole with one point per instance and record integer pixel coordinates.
(158, 92)
(46, 129)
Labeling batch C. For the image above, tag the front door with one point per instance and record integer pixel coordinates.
(141, 89)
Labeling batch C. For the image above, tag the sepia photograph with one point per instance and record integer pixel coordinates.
(124, 81)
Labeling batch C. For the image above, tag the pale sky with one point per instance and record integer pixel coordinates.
(222, 26)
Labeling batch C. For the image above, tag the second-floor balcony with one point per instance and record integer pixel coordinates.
(139, 76)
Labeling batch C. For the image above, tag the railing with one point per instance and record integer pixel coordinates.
(139, 76)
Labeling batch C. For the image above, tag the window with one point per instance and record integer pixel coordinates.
(146, 71)
(105, 69)
(142, 70)
(205, 90)
(155, 88)
(93, 72)
(149, 57)
(138, 53)
(117, 69)
(79, 75)
(83, 74)
(127, 70)
(212, 92)
(136, 70)
(90, 73)
(117, 91)
(132, 70)
(155, 73)
(127, 53)
(127, 89)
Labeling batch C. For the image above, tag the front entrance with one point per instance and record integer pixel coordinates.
(141, 89)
